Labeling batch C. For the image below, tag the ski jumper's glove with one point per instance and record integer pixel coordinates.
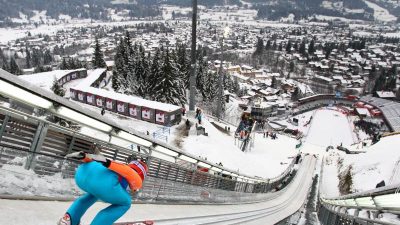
(86, 157)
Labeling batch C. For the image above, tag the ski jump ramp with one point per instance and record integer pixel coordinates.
(277, 207)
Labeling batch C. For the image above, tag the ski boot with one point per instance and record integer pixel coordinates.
(65, 220)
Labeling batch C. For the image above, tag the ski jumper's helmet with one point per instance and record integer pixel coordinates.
(140, 167)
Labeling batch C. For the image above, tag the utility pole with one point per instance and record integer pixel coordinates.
(192, 80)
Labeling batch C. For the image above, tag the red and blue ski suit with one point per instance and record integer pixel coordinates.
(107, 183)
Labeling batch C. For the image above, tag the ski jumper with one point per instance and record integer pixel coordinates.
(107, 184)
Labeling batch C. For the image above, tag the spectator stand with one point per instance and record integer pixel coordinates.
(389, 109)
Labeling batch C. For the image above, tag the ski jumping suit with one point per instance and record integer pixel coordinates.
(107, 183)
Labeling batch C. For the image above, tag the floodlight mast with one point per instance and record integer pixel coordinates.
(192, 79)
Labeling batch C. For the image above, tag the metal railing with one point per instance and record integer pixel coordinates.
(43, 145)
(35, 98)
(376, 201)
(328, 216)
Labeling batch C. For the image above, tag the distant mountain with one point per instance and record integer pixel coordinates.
(350, 9)
(15, 12)
(24, 10)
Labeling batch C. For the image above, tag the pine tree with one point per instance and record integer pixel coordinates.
(268, 45)
(259, 47)
(14, 68)
(64, 65)
(98, 58)
(183, 64)
(210, 86)
(120, 67)
(57, 89)
(36, 57)
(273, 82)
(274, 46)
(146, 76)
(6, 67)
(236, 86)
(47, 58)
(311, 47)
(295, 94)
(3, 59)
(201, 73)
(131, 79)
(170, 88)
(79, 64)
(228, 83)
(296, 46)
(289, 47)
(302, 48)
(140, 71)
(28, 58)
(155, 74)
(71, 64)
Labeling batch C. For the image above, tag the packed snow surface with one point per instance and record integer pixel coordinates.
(330, 127)
(267, 159)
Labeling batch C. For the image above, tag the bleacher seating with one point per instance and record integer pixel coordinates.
(390, 110)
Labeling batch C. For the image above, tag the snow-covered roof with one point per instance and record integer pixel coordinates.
(45, 80)
(90, 79)
(385, 94)
(362, 111)
(131, 99)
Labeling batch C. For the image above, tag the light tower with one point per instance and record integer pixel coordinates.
(192, 79)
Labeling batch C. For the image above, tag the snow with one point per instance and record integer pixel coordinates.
(90, 79)
(65, 17)
(330, 18)
(18, 181)
(39, 16)
(70, 84)
(130, 99)
(45, 80)
(377, 164)
(330, 128)
(10, 34)
(22, 18)
(123, 2)
(129, 123)
(330, 180)
(380, 13)
(48, 212)
(267, 159)
(302, 126)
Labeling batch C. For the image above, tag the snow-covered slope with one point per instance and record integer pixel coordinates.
(268, 158)
(377, 164)
(381, 14)
(330, 127)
